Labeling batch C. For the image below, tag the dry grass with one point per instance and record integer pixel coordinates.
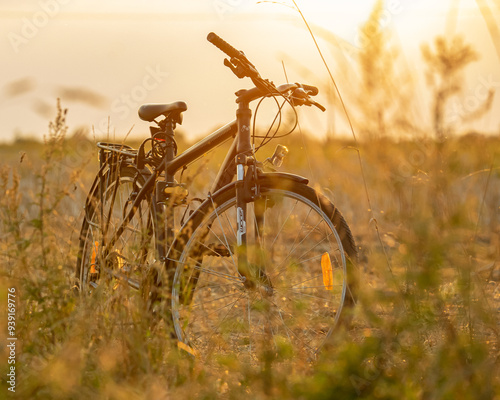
(426, 324)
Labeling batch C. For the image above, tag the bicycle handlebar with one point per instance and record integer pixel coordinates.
(242, 67)
(256, 92)
(223, 45)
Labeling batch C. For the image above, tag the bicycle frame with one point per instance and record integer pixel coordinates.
(240, 151)
(216, 138)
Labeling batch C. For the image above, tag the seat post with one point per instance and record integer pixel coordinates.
(165, 213)
(170, 149)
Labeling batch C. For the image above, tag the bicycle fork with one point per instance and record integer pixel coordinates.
(244, 148)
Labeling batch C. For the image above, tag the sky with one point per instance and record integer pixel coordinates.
(105, 59)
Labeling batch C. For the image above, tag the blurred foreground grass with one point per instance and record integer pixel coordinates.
(426, 324)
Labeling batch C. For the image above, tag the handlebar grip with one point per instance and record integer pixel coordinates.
(223, 45)
(312, 89)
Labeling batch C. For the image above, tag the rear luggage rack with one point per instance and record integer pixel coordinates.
(116, 151)
(118, 148)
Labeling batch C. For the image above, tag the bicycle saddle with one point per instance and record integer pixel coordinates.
(148, 112)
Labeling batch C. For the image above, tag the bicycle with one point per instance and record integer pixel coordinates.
(265, 260)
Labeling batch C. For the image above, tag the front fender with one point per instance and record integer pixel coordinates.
(281, 178)
(263, 177)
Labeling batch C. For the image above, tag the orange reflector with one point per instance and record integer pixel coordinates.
(189, 349)
(326, 266)
(95, 248)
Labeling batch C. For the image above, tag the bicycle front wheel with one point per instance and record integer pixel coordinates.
(299, 250)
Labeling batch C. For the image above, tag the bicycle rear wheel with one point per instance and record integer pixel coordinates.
(300, 251)
(120, 271)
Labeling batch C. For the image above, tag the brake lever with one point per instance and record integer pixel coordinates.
(298, 97)
(301, 97)
(317, 105)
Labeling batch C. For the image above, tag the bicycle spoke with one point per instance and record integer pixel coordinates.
(215, 254)
(213, 286)
(225, 238)
(312, 248)
(280, 269)
(230, 226)
(284, 223)
(259, 244)
(299, 283)
(300, 231)
(319, 256)
(264, 224)
(211, 301)
(226, 315)
(294, 291)
(218, 274)
(287, 328)
(227, 247)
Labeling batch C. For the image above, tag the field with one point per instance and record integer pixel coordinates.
(425, 215)
(419, 188)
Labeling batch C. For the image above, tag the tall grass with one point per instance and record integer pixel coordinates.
(426, 328)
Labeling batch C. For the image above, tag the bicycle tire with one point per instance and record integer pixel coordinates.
(129, 264)
(297, 308)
